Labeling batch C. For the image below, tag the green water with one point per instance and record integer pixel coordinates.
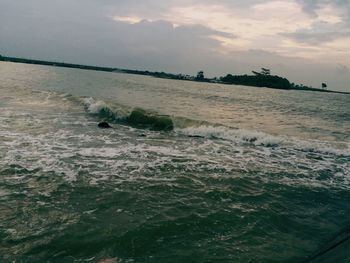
(246, 175)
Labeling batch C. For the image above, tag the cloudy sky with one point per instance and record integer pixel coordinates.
(307, 41)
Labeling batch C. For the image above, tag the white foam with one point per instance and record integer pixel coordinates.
(263, 139)
(96, 180)
(4, 193)
(100, 152)
(220, 132)
(339, 149)
(119, 157)
(95, 106)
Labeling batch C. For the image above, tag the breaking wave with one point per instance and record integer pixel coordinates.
(263, 139)
(137, 117)
(142, 119)
(101, 109)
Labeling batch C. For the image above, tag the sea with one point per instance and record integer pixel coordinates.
(189, 171)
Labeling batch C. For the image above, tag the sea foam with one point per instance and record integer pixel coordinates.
(259, 138)
(95, 106)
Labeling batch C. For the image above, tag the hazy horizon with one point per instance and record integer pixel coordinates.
(307, 42)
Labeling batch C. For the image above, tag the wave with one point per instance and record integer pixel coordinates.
(137, 117)
(231, 134)
(142, 119)
(101, 109)
(258, 138)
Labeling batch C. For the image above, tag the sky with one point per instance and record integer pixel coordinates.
(307, 41)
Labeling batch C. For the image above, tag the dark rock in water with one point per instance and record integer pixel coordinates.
(104, 125)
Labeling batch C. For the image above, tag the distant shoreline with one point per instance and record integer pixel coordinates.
(257, 80)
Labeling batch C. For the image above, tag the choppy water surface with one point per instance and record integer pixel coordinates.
(247, 174)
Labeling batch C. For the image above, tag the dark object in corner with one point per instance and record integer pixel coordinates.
(104, 125)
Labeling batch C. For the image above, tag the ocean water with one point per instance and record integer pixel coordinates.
(190, 172)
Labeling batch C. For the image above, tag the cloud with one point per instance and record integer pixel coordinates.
(127, 19)
(143, 44)
(342, 69)
(319, 33)
(316, 38)
(328, 10)
(184, 35)
(329, 24)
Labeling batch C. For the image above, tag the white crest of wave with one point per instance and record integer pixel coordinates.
(95, 106)
(339, 149)
(263, 139)
(255, 137)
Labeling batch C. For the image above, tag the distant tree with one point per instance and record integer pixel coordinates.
(258, 80)
(200, 75)
(265, 71)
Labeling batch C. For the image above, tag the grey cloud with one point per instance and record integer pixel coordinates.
(342, 69)
(311, 6)
(316, 38)
(323, 32)
(80, 31)
(156, 7)
(93, 38)
(319, 33)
